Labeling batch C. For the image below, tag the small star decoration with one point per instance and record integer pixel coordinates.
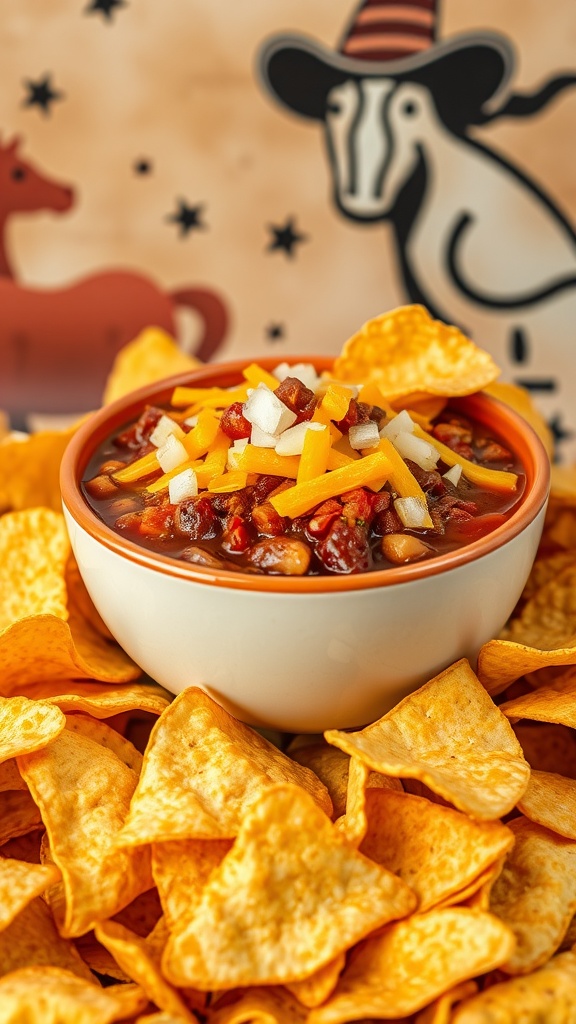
(105, 7)
(275, 332)
(142, 166)
(41, 94)
(559, 432)
(285, 238)
(187, 217)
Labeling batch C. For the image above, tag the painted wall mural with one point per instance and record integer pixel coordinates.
(270, 178)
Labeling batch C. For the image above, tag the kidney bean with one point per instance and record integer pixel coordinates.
(285, 556)
(196, 518)
(233, 423)
(139, 433)
(386, 522)
(400, 548)
(155, 521)
(101, 486)
(345, 548)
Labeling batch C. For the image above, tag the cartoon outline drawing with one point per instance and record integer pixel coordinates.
(477, 240)
(57, 343)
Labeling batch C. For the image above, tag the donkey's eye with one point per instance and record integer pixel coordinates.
(18, 174)
(333, 108)
(409, 108)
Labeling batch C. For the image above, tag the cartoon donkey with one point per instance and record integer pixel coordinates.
(477, 241)
(57, 344)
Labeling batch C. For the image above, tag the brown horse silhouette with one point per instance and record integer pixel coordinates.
(57, 344)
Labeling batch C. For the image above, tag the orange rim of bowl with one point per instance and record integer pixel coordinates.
(488, 411)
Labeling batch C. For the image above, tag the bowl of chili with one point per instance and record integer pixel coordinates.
(304, 554)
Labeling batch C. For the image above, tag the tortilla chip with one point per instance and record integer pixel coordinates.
(331, 767)
(550, 800)
(544, 633)
(285, 901)
(79, 598)
(34, 547)
(546, 568)
(143, 914)
(100, 732)
(10, 777)
(32, 940)
(548, 748)
(536, 894)
(18, 815)
(476, 895)
(437, 851)
(260, 1005)
(83, 790)
(202, 770)
(97, 958)
(440, 1011)
(316, 989)
(520, 400)
(50, 995)
(450, 735)
(555, 702)
(181, 870)
(413, 962)
(25, 847)
(149, 357)
(27, 725)
(548, 994)
(30, 470)
(134, 956)
(101, 700)
(20, 883)
(406, 352)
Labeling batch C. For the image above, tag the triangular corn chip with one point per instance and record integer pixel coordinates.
(10, 777)
(20, 883)
(548, 994)
(331, 767)
(18, 814)
(83, 790)
(450, 735)
(27, 725)
(34, 547)
(101, 700)
(202, 770)
(287, 899)
(413, 962)
(316, 989)
(32, 940)
(50, 995)
(548, 747)
(258, 1005)
(436, 850)
(181, 869)
(536, 893)
(554, 702)
(30, 469)
(149, 357)
(550, 800)
(440, 1011)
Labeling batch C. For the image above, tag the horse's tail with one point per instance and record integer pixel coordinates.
(525, 104)
(213, 312)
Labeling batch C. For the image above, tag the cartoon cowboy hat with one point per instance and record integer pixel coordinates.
(387, 38)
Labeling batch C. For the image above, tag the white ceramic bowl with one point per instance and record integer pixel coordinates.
(309, 653)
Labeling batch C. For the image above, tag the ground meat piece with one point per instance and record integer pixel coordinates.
(285, 556)
(320, 522)
(233, 423)
(430, 481)
(236, 502)
(345, 548)
(155, 522)
(453, 433)
(357, 507)
(197, 519)
(267, 521)
(448, 505)
(297, 397)
(385, 522)
(358, 412)
(138, 434)
(235, 536)
(492, 451)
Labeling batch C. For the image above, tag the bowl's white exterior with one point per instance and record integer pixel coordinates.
(304, 662)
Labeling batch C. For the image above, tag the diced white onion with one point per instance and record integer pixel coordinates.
(453, 474)
(165, 426)
(281, 371)
(260, 439)
(305, 373)
(265, 410)
(234, 451)
(191, 421)
(183, 485)
(291, 442)
(412, 512)
(402, 423)
(363, 435)
(415, 448)
(171, 454)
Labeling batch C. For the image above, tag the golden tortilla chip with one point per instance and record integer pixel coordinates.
(550, 800)
(143, 914)
(440, 1011)
(411, 963)
(100, 732)
(547, 995)
(97, 958)
(260, 1005)
(316, 989)
(32, 940)
(559, 526)
(202, 770)
(83, 790)
(181, 869)
(149, 357)
(555, 702)
(535, 894)
(50, 995)
(20, 883)
(331, 767)
(543, 634)
(10, 777)
(286, 900)
(353, 823)
(476, 895)
(25, 847)
(406, 352)
(546, 568)
(563, 485)
(79, 598)
(101, 700)
(520, 400)
(134, 956)
(30, 470)
(18, 815)
(548, 748)
(436, 850)
(450, 735)
(27, 725)
(34, 547)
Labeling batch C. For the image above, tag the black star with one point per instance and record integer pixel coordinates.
(559, 433)
(285, 238)
(41, 94)
(187, 217)
(275, 332)
(105, 7)
(142, 166)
